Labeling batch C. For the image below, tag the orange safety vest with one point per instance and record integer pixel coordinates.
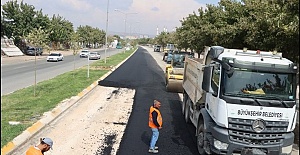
(33, 151)
(159, 118)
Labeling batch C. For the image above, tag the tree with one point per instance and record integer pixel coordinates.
(266, 25)
(162, 39)
(60, 31)
(74, 43)
(98, 36)
(18, 19)
(38, 38)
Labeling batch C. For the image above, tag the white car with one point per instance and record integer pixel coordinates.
(94, 56)
(84, 54)
(55, 57)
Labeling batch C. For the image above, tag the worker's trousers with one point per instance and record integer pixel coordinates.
(155, 134)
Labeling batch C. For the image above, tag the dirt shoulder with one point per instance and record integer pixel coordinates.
(94, 125)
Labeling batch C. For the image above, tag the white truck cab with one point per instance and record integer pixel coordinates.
(241, 101)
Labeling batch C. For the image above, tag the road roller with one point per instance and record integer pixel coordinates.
(174, 72)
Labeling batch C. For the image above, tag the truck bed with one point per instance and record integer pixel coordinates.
(193, 77)
(199, 60)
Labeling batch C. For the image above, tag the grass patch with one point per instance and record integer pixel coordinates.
(22, 106)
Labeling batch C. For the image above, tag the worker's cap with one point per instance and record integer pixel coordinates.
(48, 141)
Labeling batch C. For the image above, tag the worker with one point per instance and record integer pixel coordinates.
(155, 123)
(44, 146)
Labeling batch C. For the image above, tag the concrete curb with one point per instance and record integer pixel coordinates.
(50, 116)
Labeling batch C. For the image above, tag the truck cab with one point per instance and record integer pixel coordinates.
(241, 101)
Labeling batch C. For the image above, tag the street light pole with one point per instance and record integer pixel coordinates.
(130, 28)
(125, 22)
(88, 69)
(34, 72)
(106, 31)
(125, 25)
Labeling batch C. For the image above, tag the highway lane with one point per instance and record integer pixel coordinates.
(22, 74)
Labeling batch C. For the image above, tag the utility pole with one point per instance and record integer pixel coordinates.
(125, 24)
(106, 31)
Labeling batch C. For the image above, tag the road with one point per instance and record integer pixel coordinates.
(96, 124)
(113, 117)
(21, 74)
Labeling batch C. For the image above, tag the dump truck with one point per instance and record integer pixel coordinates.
(240, 101)
(174, 71)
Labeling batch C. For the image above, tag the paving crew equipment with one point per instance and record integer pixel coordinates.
(167, 49)
(174, 71)
(241, 101)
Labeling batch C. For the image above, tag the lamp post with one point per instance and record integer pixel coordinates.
(125, 20)
(106, 31)
(130, 27)
(88, 69)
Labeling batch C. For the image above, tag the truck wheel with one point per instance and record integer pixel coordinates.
(166, 78)
(183, 103)
(202, 143)
(200, 138)
(187, 111)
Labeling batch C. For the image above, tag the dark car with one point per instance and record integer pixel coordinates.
(33, 50)
(119, 46)
(157, 48)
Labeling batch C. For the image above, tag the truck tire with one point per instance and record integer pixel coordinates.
(200, 138)
(183, 102)
(203, 144)
(187, 111)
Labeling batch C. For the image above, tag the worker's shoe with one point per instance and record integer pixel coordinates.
(156, 147)
(153, 151)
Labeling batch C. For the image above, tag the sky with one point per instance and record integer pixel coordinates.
(143, 17)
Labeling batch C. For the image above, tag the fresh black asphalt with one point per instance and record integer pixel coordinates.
(142, 73)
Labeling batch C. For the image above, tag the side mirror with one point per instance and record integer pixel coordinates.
(206, 79)
(228, 69)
